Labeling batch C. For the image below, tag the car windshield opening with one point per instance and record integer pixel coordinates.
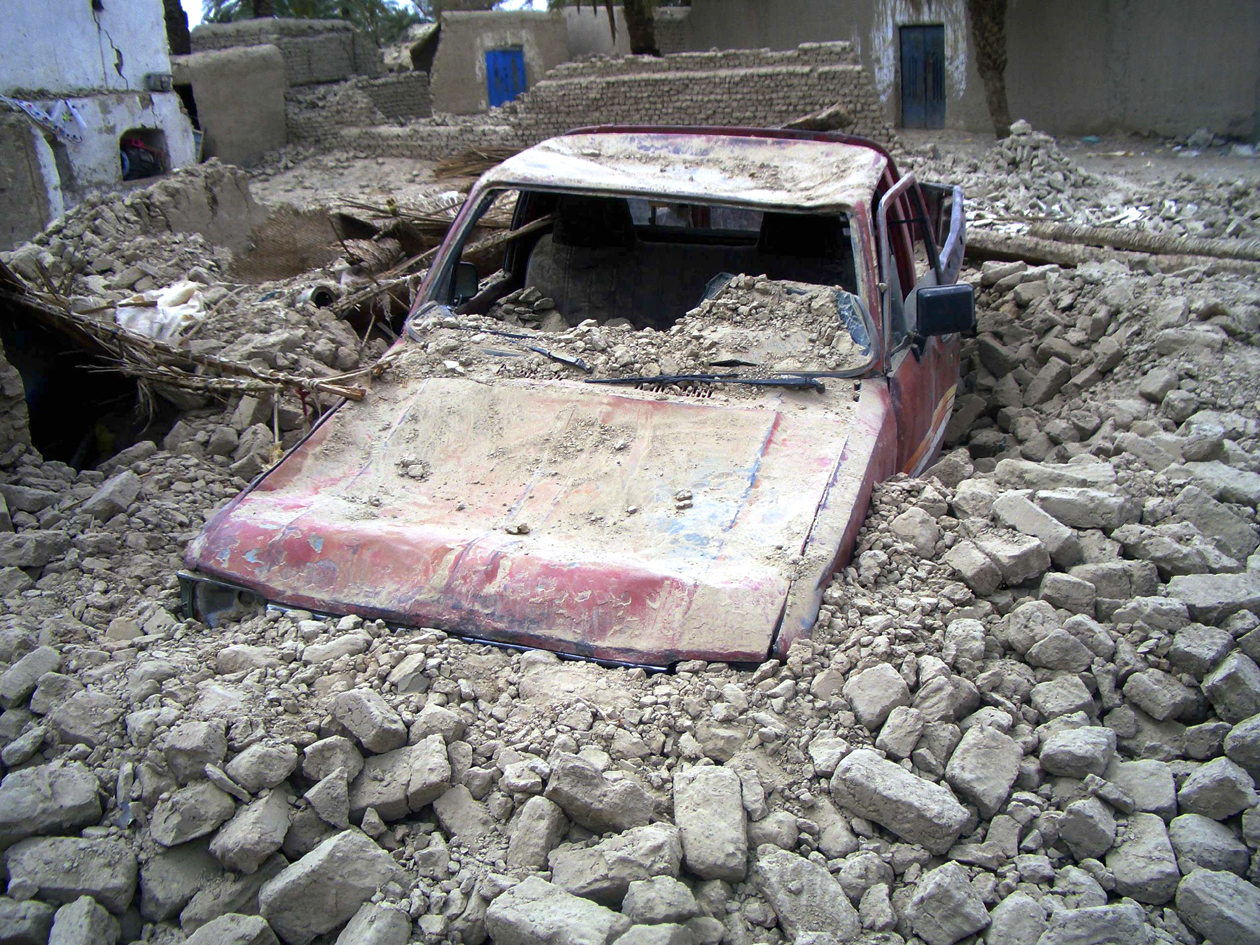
(752, 292)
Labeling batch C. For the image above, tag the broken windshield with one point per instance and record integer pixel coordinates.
(627, 290)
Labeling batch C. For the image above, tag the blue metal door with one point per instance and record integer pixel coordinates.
(923, 76)
(505, 75)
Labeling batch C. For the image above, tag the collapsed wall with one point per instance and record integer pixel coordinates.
(317, 115)
(737, 87)
(754, 87)
(314, 50)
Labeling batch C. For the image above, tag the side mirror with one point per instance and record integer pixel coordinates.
(466, 282)
(945, 309)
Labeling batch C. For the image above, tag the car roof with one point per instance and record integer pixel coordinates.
(760, 168)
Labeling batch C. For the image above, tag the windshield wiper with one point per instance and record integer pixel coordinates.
(564, 359)
(537, 349)
(795, 382)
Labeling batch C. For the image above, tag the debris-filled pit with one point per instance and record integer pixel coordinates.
(1029, 711)
(78, 414)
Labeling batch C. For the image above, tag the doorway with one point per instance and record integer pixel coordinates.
(505, 74)
(923, 76)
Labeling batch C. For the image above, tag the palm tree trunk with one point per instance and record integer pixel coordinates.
(176, 28)
(641, 27)
(988, 39)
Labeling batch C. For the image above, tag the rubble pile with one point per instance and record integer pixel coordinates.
(1029, 172)
(1029, 713)
(1214, 208)
(145, 238)
(1057, 619)
(751, 325)
(1026, 177)
(118, 252)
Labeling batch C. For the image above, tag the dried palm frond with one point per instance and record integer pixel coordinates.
(152, 361)
(409, 268)
(472, 162)
(373, 255)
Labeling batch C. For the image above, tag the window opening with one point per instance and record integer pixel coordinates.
(142, 153)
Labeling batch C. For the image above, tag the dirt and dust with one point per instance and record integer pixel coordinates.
(1028, 712)
(1119, 181)
(309, 180)
(751, 328)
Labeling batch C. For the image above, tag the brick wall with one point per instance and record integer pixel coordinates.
(733, 87)
(730, 87)
(316, 114)
(314, 51)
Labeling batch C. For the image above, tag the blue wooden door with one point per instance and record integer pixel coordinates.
(505, 75)
(923, 76)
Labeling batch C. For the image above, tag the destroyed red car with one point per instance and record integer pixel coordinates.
(651, 433)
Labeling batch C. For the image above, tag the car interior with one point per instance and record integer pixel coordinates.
(611, 257)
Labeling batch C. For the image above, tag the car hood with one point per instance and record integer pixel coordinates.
(615, 525)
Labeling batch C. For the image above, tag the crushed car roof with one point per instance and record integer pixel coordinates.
(798, 173)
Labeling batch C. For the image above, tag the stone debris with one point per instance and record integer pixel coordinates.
(1027, 175)
(189, 813)
(401, 781)
(910, 806)
(47, 799)
(804, 896)
(26, 923)
(605, 871)
(233, 929)
(377, 924)
(1029, 711)
(84, 922)
(296, 902)
(945, 906)
(593, 800)
(709, 809)
(61, 869)
(537, 913)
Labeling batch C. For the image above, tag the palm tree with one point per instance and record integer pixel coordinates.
(383, 20)
(641, 26)
(221, 11)
(176, 28)
(988, 37)
(438, 7)
(640, 23)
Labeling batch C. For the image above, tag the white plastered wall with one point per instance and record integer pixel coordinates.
(64, 46)
(96, 61)
(94, 161)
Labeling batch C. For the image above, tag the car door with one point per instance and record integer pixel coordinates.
(922, 372)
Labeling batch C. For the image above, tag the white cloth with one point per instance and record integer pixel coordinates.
(178, 308)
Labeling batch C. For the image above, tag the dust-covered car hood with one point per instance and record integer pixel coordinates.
(615, 525)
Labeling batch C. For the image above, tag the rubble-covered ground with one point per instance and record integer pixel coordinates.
(1029, 713)
(1127, 182)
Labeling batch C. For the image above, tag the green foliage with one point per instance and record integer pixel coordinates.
(383, 20)
(224, 11)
